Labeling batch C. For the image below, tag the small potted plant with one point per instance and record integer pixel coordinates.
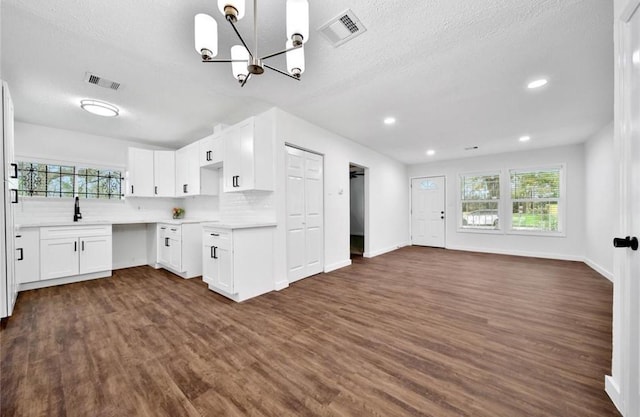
(178, 212)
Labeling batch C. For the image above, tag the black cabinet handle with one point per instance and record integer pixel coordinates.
(163, 228)
(15, 171)
(212, 254)
(627, 242)
(209, 156)
(75, 246)
(215, 252)
(155, 190)
(184, 188)
(166, 241)
(442, 217)
(83, 246)
(214, 234)
(14, 197)
(236, 180)
(21, 256)
(174, 230)
(132, 189)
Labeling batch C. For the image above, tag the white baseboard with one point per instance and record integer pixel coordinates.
(613, 391)
(527, 254)
(336, 265)
(379, 252)
(130, 264)
(599, 269)
(64, 280)
(281, 285)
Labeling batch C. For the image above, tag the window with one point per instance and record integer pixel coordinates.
(536, 200)
(53, 180)
(480, 201)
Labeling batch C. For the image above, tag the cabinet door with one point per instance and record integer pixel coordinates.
(210, 152)
(193, 169)
(140, 173)
(182, 172)
(238, 157)
(59, 258)
(163, 246)
(28, 256)
(175, 254)
(225, 279)
(164, 173)
(209, 265)
(95, 254)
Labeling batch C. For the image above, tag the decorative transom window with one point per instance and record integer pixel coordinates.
(536, 200)
(480, 201)
(57, 181)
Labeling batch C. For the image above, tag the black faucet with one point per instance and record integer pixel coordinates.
(76, 211)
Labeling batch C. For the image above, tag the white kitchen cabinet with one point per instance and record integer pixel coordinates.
(249, 159)
(238, 261)
(179, 248)
(190, 179)
(164, 173)
(140, 173)
(28, 255)
(75, 250)
(210, 151)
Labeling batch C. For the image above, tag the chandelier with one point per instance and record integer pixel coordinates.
(246, 62)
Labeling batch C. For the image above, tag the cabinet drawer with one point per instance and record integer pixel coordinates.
(170, 230)
(74, 231)
(215, 237)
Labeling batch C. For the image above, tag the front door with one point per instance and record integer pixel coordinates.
(427, 211)
(626, 308)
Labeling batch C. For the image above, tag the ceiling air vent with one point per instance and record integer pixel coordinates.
(342, 28)
(101, 82)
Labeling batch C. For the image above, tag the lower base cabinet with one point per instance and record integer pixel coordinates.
(238, 262)
(179, 248)
(77, 250)
(28, 255)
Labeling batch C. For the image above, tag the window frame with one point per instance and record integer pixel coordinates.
(561, 201)
(465, 229)
(77, 166)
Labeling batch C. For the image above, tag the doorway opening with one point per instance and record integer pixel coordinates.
(357, 210)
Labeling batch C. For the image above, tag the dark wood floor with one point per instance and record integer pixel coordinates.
(417, 332)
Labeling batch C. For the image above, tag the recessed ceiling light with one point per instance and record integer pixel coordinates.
(525, 138)
(537, 83)
(389, 120)
(100, 108)
(431, 152)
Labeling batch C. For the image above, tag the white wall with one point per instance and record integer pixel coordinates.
(356, 192)
(601, 199)
(571, 246)
(387, 202)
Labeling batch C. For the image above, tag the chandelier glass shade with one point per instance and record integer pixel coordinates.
(245, 61)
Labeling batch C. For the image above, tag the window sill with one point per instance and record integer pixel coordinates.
(536, 233)
(481, 231)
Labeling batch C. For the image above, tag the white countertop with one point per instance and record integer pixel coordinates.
(243, 225)
(91, 222)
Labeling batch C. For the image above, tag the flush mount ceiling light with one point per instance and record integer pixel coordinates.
(537, 83)
(389, 120)
(100, 108)
(246, 62)
(525, 138)
(431, 152)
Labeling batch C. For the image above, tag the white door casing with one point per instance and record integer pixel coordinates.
(623, 386)
(305, 214)
(428, 211)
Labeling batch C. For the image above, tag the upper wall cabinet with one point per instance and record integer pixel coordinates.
(150, 173)
(190, 179)
(140, 173)
(249, 156)
(211, 151)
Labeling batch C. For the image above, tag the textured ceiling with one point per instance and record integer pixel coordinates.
(452, 72)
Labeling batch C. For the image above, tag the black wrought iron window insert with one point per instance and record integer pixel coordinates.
(49, 180)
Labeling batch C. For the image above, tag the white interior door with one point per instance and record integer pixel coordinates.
(427, 211)
(624, 384)
(305, 214)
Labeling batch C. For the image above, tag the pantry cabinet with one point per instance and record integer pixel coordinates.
(178, 248)
(238, 261)
(249, 157)
(77, 250)
(190, 179)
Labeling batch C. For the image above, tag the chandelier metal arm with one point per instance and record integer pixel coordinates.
(281, 72)
(206, 61)
(240, 37)
(280, 52)
(245, 80)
